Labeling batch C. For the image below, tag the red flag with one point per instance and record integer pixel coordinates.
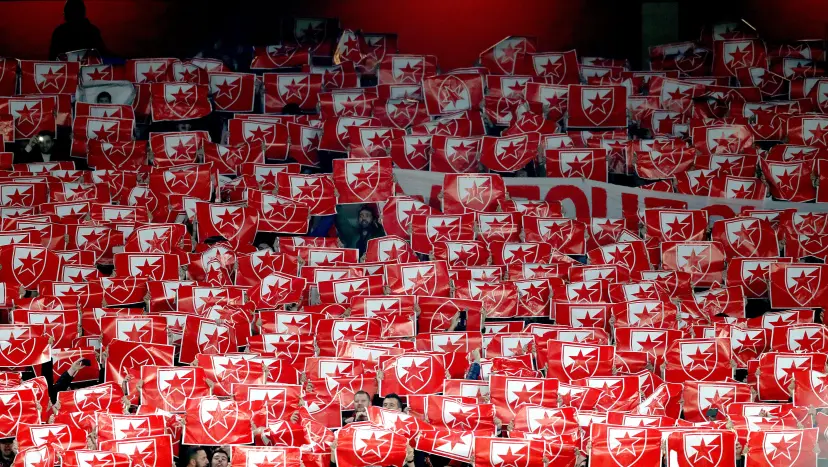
(214, 422)
(448, 443)
(176, 149)
(747, 237)
(500, 452)
(273, 135)
(227, 159)
(233, 92)
(424, 278)
(57, 436)
(722, 139)
(479, 192)
(129, 155)
(148, 329)
(278, 214)
(335, 134)
(412, 373)
(698, 360)
(317, 191)
(115, 426)
(363, 180)
(167, 388)
(556, 67)
(776, 448)
(701, 447)
(597, 106)
(570, 361)
(365, 142)
(510, 393)
(360, 444)
(453, 92)
(347, 102)
(460, 154)
(105, 130)
(206, 336)
(624, 445)
(20, 407)
(24, 352)
(177, 101)
(447, 412)
(86, 458)
(31, 115)
(427, 229)
(125, 357)
(796, 285)
(508, 56)
(152, 451)
(270, 455)
(304, 143)
(406, 69)
(777, 371)
(572, 163)
(153, 266)
(732, 54)
(511, 153)
(48, 77)
(703, 260)
(790, 181)
(701, 397)
(279, 55)
(281, 89)
(236, 223)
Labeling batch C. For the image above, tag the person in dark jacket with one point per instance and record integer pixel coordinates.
(355, 233)
(44, 147)
(76, 33)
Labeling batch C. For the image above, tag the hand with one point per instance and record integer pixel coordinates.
(77, 365)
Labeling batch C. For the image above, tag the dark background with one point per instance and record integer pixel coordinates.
(455, 30)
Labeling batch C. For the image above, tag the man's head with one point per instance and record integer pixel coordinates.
(104, 98)
(392, 402)
(74, 10)
(198, 457)
(362, 400)
(366, 216)
(45, 141)
(220, 458)
(184, 126)
(6, 448)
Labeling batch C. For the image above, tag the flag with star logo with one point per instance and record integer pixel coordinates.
(453, 92)
(631, 255)
(455, 154)
(124, 155)
(20, 406)
(266, 456)
(389, 248)
(411, 152)
(510, 153)
(279, 55)
(236, 223)
(361, 445)
(151, 266)
(509, 56)
(722, 139)
(449, 413)
(206, 336)
(355, 102)
(116, 426)
(796, 285)
(731, 54)
(48, 77)
(363, 180)
(570, 361)
(746, 237)
(233, 92)
(228, 370)
(31, 115)
(149, 329)
(778, 369)
(429, 278)
(590, 164)
(753, 274)
(556, 67)
(503, 452)
(700, 397)
(126, 357)
(790, 181)
(782, 448)
(260, 130)
(400, 113)
(317, 191)
(25, 265)
(473, 192)
(89, 458)
(510, 393)
(227, 159)
(57, 436)
(168, 388)
(176, 148)
(703, 260)
(704, 359)
(397, 213)
(214, 422)
(412, 373)
(179, 101)
(701, 447)
(597, 106)
(406, 69)
(330, 331)
(625, 445)
(345, 290)
(278, 213)
(150, 451)
(452, 444)
(427, 229)
(103, 129)
(281, 89)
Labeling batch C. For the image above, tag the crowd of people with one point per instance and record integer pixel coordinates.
(223, 260)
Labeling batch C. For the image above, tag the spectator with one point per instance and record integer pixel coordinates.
(43, 148)
(197, 457)
(366, 228)
(104, 98)
(392, 402)
(362, 400)
(6, 452)
(220, 458)
(76, 33)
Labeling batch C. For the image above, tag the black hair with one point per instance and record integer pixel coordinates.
(362, 392)
(48, 133)
(219, 451)
(104, 94)
(398, 398)
(192, 453)
(74, 10)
